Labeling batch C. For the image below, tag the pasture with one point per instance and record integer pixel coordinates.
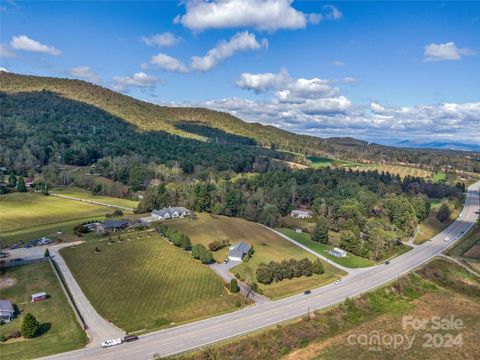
(350, 261)
(26, 216)
(268, 247)
(87, 195)
(59, 330)
(143, 283)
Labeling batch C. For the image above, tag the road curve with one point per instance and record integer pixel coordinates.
(201, 333)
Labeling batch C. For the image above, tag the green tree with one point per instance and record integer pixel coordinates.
(46, 253)
(12, 181)
(206, 256)
(30, 326)
(443, 213)
(234, 286)
(350, 242)
(197, 250)
(317, 267)
(21, 184)
(320, 232)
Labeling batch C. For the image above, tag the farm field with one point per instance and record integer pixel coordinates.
(268, 247)
(143, 283)
(26, 216)
(61, 331)
(87, 195)
(395, 169)
(318, 162)
(431, 226)
(351, 261)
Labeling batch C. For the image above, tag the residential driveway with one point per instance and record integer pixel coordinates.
(223, 270)
(99, 329)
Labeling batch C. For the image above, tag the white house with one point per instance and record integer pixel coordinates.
(170, 213)
(301, 214)
(337, 252)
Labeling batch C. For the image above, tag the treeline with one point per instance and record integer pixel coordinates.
(287, 269)
(42, 128)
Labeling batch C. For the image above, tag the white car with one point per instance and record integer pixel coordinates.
(461, 214)
(338, 281)
(111, 342)
(446, 239)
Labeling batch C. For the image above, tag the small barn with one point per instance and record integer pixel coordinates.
(6, 311)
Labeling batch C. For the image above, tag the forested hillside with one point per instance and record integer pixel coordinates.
(213, 126)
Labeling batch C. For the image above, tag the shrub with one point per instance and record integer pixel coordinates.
(234, 286)
(287, 269)
(47, 253)
(217, 244)
(30, 326)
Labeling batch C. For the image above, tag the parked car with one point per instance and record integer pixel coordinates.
(307, 292)
(226, 261)
(130, 338)
(16, 260)
(111, 342)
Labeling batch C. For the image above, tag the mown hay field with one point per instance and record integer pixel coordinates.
(141, 282)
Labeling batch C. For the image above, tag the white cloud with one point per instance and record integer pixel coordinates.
(3, 69)
(286, 88)
(168, 63)
(446, 51)
(6, 52)
(85, 73)
(137, 80)
(269, 15)
(338, 63)
(162, 40)
(23, 42)
(350, 80)
(242, 41)
(264, 82)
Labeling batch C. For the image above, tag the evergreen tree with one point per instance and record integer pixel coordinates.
(234, 286)
(30, 326)
(317, 267)
(21, 184)
(320, 232)
(443, 213)
(12, 181)
(47, 253)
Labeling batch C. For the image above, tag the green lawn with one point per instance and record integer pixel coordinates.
(268, 247)
(61, 331)
(351, 261)
(318, 162)
(144, 283)
(87, 195)
(439, 176)
(26, 216)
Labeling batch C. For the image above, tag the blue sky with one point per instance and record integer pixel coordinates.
(380, 71)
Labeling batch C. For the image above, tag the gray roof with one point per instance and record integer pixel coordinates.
(240, 249)
(6, 306)
(113, 224)
(161, 212)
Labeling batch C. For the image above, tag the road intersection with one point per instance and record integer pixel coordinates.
(201, 333)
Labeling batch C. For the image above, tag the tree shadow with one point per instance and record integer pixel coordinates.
(44, 328)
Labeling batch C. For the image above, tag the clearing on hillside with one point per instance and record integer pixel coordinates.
(26, 216)
(268, 247)
(80, 193)
(142, 283)
(59, 330)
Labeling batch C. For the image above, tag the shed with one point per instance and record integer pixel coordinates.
(6, 311)
(39, 296)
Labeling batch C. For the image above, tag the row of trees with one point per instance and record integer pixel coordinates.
(175, 237)
(287, 269)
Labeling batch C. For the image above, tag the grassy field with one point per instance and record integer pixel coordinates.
(318, 162)
(431, 226)
(87, 195)
(396, 169)
(144, 283)
(439, 176)
(26, 216)
(61, 331)
(351, 261)
(268, 247)
(469, 246)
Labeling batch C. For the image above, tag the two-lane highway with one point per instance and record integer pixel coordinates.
(201, 333)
